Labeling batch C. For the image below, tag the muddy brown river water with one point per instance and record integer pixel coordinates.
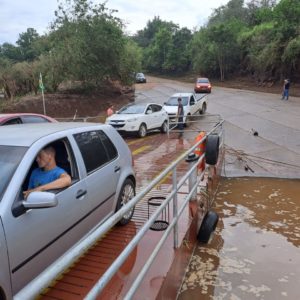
(255, 252)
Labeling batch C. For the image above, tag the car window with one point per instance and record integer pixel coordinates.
(203, 80)
(94, 153)
(173, 101)
(149, 109)
(133, 109)
(34, 119)
(192, 102)
(13, 121)
(64, 158)
(110, 148)
(156, 107)
(10, 157)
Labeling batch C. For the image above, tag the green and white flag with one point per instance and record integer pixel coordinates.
(41, 85)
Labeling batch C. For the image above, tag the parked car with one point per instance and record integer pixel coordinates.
(19, 118)
(139, 118)
(140, 78)
(202, 85)
(37, 230)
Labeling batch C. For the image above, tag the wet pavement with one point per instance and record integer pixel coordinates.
(254, 253)
(273, 152)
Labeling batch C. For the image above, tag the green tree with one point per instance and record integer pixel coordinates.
(90, 41)
(25, 43)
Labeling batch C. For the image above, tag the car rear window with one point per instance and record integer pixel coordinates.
(96, 149)
(10, 157)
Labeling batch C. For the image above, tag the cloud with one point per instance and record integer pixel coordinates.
(18, 15)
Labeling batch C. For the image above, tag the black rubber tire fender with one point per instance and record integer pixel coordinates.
(125, 219)
(212, 149)
(208, 226)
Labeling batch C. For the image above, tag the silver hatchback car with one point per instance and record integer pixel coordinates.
(37, 230)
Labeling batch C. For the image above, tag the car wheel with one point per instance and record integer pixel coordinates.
(142, 131)
(208, 226)
(126, 194)
(187, 120)
(203, 110)
(164, 127)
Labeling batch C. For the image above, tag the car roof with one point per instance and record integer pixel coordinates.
(181, 95)
(7, 116)
(141, 104)
(202, 78)
(26, 134)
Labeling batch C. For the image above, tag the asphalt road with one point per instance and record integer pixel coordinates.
(273, 152)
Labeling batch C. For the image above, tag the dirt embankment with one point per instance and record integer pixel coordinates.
(67, 105)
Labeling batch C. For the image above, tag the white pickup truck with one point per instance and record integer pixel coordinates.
(192, 103)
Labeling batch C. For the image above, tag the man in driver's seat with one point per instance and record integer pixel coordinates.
(48, 176)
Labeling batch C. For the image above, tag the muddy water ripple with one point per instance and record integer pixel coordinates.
(255, 252)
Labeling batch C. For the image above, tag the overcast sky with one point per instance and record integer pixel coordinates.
(18, 15)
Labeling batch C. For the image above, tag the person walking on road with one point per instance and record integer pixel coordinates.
(180, 114)
(286, 87)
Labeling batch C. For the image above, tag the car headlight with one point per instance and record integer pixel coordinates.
(132, 120)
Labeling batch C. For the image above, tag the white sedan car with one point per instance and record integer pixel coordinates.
(139, 118)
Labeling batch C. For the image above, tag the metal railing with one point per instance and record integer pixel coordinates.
(42, 281)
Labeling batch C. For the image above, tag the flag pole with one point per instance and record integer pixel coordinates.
(44, 106)
(42, 88)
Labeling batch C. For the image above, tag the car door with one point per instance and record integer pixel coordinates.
(37, 237)
(192, 105)
(151, 120)
(157, 115)
(102, 164)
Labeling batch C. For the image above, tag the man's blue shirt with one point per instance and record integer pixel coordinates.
(40, 177)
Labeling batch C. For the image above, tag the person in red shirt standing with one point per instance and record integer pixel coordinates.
(110, 111)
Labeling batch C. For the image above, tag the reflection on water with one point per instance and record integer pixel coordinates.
(255, 251)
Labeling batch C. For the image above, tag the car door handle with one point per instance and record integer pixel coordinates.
(80, 193)
(117, 169)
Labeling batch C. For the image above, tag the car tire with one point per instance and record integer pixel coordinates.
(142, 130)
(164, 127)
(126, 194)
(187, 120)
(203, 109)
(208, 226)
(212, 149)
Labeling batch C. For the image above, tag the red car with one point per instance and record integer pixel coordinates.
(202, 85)
(23, 118)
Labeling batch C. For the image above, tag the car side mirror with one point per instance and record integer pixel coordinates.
(37, 200)
(165, 103)
(148, 112)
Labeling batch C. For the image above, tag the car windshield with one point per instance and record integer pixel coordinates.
(132, 109)
(140, 75)
(10, 157)
(203, 80)
(173, 101)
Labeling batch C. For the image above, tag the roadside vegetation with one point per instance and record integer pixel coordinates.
(86, 44)
(257, 38)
